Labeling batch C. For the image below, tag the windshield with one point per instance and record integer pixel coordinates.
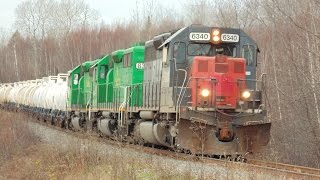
(200, 50)
(211, 50)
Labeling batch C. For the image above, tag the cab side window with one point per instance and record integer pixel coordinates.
(248, 52)
(179, 52)
(127, 60)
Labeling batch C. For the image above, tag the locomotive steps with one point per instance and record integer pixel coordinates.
(169, 161)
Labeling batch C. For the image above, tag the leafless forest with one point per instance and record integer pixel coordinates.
(54, 36)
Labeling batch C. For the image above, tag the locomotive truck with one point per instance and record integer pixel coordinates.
(195, 89)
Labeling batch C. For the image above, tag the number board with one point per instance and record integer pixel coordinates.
(76, 78)
(199, 36)
(230, 37)
(140, 65)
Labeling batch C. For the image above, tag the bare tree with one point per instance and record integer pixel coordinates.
(32, 17)
(199, 12)
(71, 14)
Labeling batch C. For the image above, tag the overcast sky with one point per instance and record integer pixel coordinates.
(108, 9)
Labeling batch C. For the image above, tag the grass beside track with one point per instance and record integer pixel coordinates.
(24, 156)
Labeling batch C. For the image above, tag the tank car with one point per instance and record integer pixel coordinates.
(43, 98)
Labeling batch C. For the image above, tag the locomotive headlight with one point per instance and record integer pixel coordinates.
(216, 38)
(205, 93)
(215, 35)
(215, 32)
(246, 94)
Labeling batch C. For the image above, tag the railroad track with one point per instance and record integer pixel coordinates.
(287, 167)
(292, 170)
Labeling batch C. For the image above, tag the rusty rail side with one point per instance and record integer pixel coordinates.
(287, 167)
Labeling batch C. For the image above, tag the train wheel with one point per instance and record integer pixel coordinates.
(66, 124)
(60, 123)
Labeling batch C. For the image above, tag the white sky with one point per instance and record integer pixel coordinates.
(108, 9)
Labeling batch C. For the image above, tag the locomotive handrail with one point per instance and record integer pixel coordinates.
(88, 107)
(124, 104)
(79, 90)
(262, 81)
(62, 75)
(107, 88)
(184, 81)
(252, 80)
(98, 91)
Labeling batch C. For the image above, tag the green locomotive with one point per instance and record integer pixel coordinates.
(111, 84)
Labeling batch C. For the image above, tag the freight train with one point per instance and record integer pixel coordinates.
(195, 89)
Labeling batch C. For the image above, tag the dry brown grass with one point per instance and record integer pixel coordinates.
(45, 162)
(23, 156)
(14, 136)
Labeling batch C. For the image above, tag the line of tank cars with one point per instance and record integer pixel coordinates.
(192, 89)
(45, 96)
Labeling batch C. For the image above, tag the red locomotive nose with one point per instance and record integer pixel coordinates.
(216, 81)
